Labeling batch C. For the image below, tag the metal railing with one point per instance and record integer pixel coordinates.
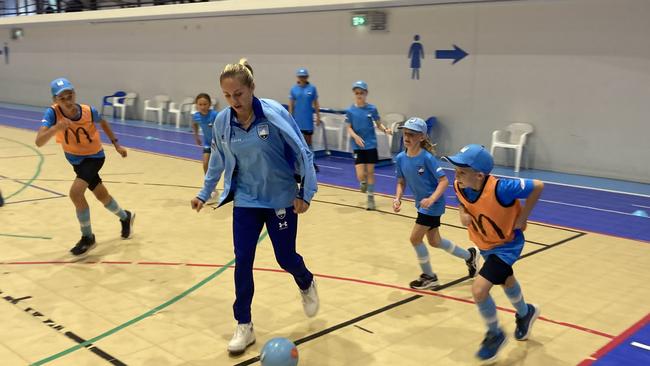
(33, 7)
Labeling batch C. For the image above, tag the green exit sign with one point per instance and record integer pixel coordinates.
(359, 20)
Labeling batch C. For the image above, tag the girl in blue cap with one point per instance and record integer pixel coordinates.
(268, 172)
(418, 168)
(74, 127)
(362, 118)
(303, 103)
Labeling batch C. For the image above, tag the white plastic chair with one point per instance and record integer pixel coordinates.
(392, 118)
(178, 111)
(335, 123)
(159, 107)
(126, 101)
(513, 137)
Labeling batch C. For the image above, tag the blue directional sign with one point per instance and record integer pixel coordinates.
(456, 54)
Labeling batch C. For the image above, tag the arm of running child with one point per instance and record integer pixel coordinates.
(195, 129)
(531, 201)
(432, 165)
(109, 132)
(355, 137)
(465, 218)
(443, 182)
(317, 108)
(399, 193)
(49, 127)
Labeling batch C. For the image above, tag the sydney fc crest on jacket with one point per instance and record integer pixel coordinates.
(263, 131)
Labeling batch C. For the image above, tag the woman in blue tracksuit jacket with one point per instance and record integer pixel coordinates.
(268, 172)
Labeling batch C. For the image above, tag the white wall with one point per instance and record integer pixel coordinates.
(579, 70)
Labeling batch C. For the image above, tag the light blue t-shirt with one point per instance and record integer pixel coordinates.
(422, 174)
(49, 120)
(303, 108)
(507, 191)
(265, 162)
(205, 122)
(361, 119)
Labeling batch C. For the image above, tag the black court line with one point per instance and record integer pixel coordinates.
(341, 325)
(412, 217)
(19, 301)
(33, 200)
(563, 241)
(33, 186)
(117, 182)
(575, 231)
(401, 302)
(112, 360)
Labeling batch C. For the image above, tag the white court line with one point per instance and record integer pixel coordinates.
(154, 138)
(111, 123)
(574, 185)
(329, 167)
(591, 208)
(383, 175)
(641, 345)
(641, 206)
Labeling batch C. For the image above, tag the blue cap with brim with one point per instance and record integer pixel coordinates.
(473, 156)
(360, 84)
(60, 85)
(415, 124)
(302, 72)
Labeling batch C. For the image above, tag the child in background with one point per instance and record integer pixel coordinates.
(418, 168)
(361, 118)
(204, 117)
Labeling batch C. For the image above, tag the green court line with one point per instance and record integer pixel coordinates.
(38, 168)
(26, 236)
(143, 316)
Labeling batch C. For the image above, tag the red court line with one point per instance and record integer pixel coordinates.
(616, 341)
(339, 278)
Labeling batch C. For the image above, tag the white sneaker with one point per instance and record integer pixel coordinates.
(244, 336)
(310, 302)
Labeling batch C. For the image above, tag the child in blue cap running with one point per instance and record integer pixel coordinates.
(418, 168)
(362, 118)
(495, 219)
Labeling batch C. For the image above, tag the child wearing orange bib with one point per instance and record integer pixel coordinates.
(495, 220)
(73, 125)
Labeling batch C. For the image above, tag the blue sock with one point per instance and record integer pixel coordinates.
(517, 299)
(371, 189)
(116, 209)
(488, 310)
(84, 222)
(423, 258)
(454, 250)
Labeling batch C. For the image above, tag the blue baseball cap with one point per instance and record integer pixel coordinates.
(60, 85)
(302, 72)
(415, 124)
(360, 84)
(473, 156)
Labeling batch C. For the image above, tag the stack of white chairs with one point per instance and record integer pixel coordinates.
(122, 103)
